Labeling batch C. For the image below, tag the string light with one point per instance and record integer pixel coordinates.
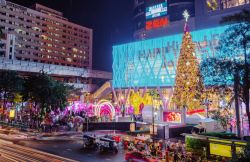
(188, 90)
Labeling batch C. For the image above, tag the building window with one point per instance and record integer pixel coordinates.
(224, 4)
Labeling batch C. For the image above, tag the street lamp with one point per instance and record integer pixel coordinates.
(207, 102)
(155, 106)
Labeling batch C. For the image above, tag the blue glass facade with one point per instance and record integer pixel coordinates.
(152, 63)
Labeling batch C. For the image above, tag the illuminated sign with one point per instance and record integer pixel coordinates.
(156, 10)
(174, 117)
(12, 114)
(157, 23)
(220, 150)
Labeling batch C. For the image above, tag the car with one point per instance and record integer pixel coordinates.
(136, 156)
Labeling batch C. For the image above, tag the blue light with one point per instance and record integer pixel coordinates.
(152, 63)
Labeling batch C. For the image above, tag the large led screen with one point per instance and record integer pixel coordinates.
(152, 63)
(157, 10)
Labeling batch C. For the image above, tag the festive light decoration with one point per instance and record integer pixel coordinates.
(104, 107)
(136, 100)
(217, 72)
(218, 95)
(212, 4)
(186, 15)
(188, 89)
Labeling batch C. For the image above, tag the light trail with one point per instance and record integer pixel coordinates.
(10, 152)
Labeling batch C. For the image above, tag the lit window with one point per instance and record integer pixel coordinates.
(69, 59)
(75, 50)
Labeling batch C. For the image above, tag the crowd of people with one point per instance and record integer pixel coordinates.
(161, 149)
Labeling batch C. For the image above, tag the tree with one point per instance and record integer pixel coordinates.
(188, 89)
(10, 84)
(235, 44)
(220, 73)
(60, 93)
(231, 67)
(242, 156)
(46, 94)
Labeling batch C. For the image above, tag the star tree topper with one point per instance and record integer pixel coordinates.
(186, 15)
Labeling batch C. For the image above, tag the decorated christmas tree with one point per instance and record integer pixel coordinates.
(188, 82)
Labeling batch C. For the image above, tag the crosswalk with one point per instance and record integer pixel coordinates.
(10, 152)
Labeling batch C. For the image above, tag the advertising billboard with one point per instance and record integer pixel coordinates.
(157, 10)
(157, 23)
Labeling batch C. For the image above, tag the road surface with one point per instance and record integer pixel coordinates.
(10, 152)
(73, 150)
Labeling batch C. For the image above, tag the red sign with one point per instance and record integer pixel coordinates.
(195, 111)
(157, 23)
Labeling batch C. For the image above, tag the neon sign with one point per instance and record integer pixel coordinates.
(156, 10)
(157, 23)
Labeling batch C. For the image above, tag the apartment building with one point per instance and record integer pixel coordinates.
(44, 35)
(41, 39)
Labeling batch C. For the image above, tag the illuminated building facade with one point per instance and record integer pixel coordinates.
(151, 64)
(141, 66)
(44, 35)
(41, 39)
(204, 14)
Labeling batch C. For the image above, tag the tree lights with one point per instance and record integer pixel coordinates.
(188, 87)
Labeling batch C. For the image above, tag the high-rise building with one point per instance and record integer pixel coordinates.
(149, 15)
(151, 62)
(44, 35)
(41, 39)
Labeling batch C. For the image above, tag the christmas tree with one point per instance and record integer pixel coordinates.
(188, 83)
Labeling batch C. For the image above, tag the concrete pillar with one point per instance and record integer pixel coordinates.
(10, 46)
(183, 116)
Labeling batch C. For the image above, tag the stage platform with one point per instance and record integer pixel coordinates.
(164, 130)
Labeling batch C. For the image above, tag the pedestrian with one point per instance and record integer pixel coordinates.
(175, 156)
(166, 155)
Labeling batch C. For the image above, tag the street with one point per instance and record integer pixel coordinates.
(63, 144)
(10, 152)
(73, 150)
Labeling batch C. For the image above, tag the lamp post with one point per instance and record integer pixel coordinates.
(207, 102)
(155, 105)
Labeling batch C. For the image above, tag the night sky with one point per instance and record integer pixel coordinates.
(111, 21)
